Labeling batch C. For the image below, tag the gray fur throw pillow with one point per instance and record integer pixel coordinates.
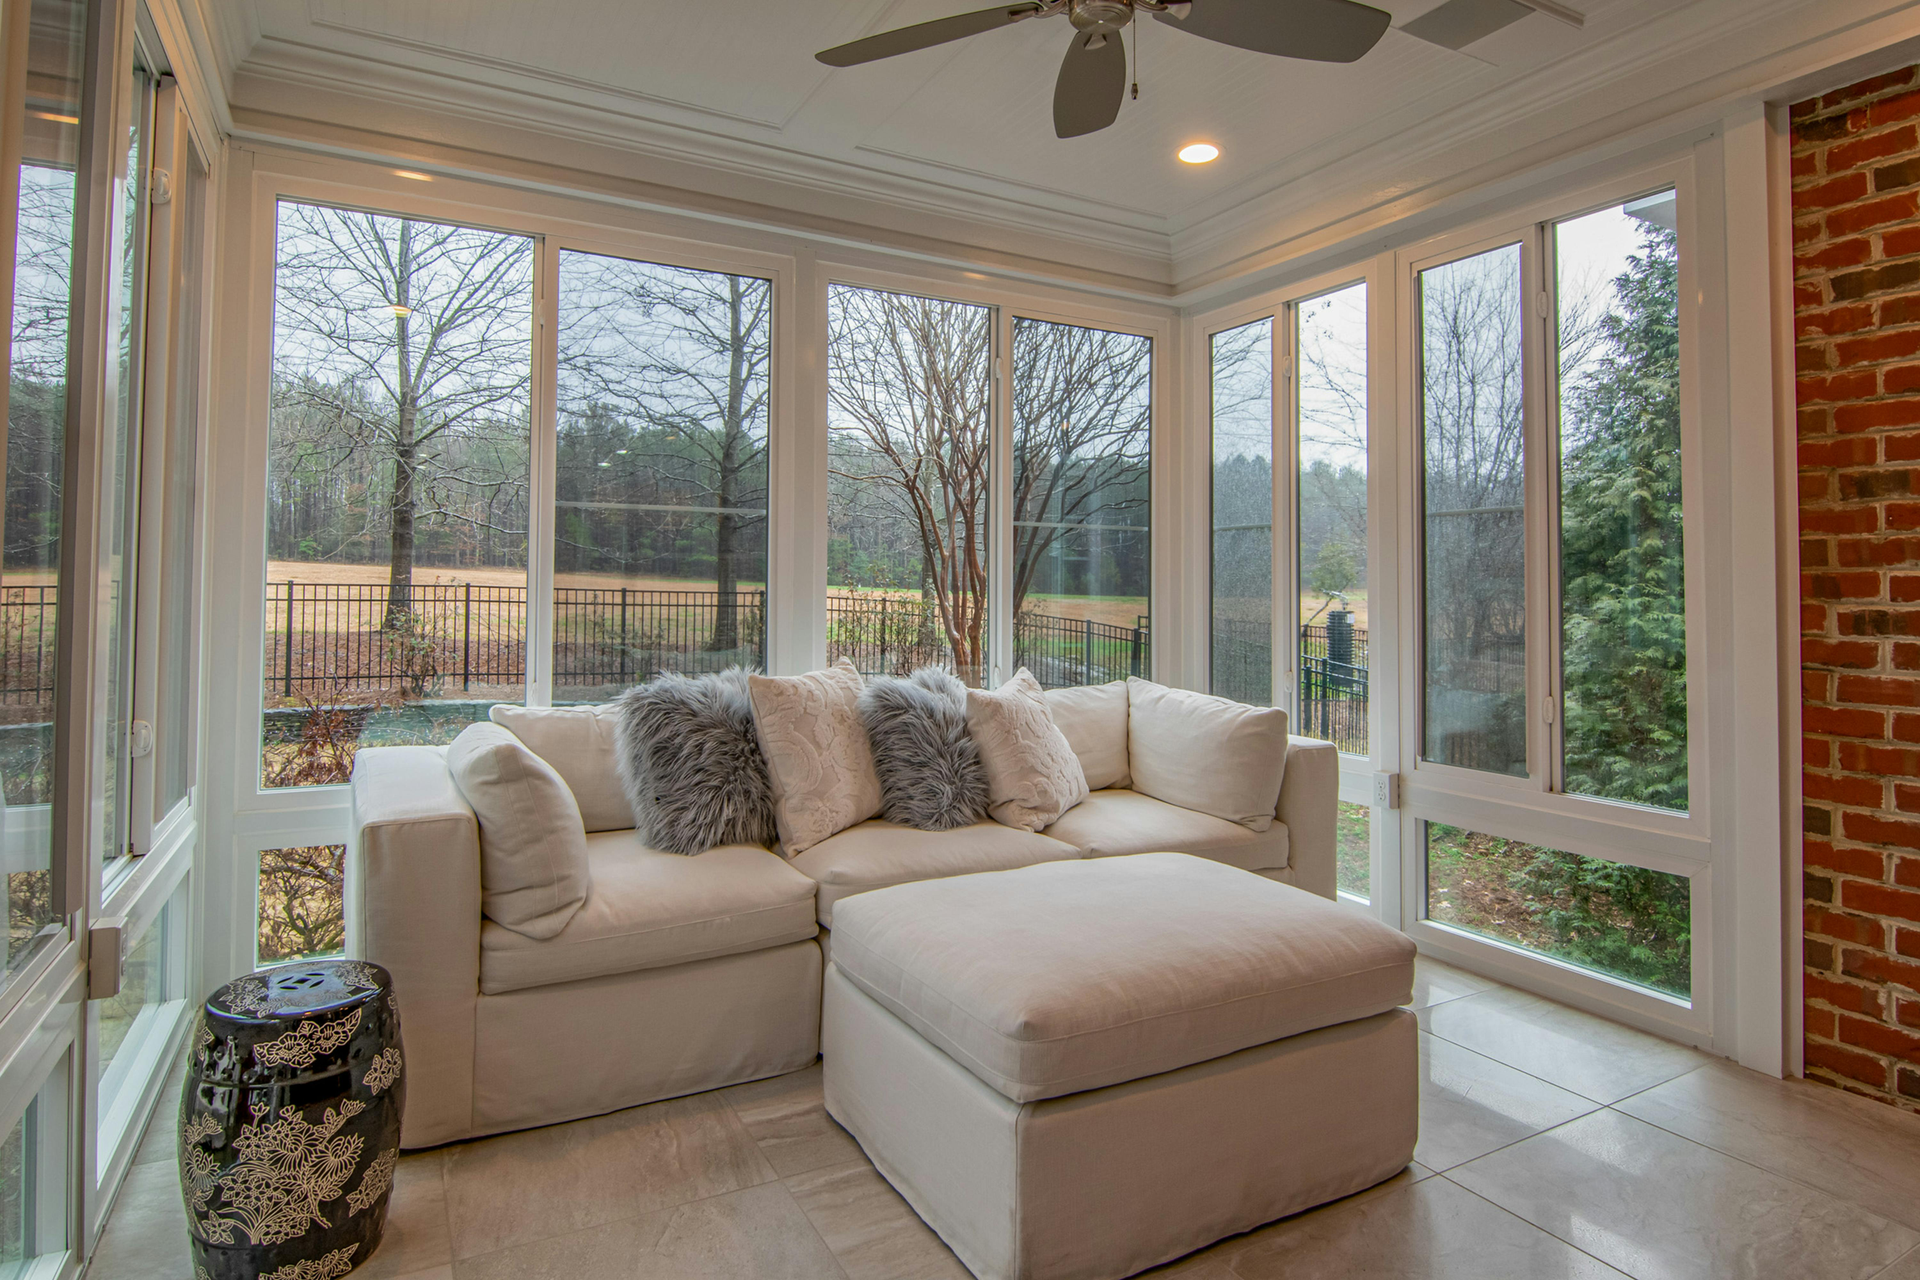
(931, 777)
(691, 763)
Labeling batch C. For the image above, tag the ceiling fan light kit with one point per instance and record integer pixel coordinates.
(1093, 76)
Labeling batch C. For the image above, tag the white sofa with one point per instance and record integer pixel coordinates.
(682, 974)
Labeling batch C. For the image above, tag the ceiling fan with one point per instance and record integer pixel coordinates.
(1093, 79)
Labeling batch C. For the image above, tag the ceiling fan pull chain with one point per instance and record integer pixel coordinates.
(1136, 62)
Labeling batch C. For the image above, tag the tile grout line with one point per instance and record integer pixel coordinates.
(1911, 1254)
(1752, 1164)
(1537, 1227)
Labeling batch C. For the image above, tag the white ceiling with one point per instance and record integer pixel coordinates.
(966, 127)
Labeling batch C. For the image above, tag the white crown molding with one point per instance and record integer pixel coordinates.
(536, 103)
(479, 117)
(530, 160)
(1580, 97)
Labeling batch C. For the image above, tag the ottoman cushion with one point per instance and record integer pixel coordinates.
(1069, 976)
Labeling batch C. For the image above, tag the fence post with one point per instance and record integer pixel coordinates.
(466, 642)
(287, 688)
(623, 635)
(1086, 650)
(883, 633)
(1133, 661)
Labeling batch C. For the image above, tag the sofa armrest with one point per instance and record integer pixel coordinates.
(412, 899)
(1309, 805)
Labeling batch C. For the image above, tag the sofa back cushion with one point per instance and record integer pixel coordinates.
(1032, 774)
(533, 848)
(818, 759)
(578, 743)
(1093, 719)
(1200, 752)
(691, 762)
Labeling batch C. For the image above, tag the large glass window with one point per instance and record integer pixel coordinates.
(1473, 511)
(1242, 407)
(1623, 635)
(1609, 612)
(1628, 922)
(300, 906)
(120, 496)
(660, 556)
(40, 318)
(177, 461)
(1082, 546)
(132, 1027)
(397, 485)
(35, 1191)
(1330, 395)
(910, 410)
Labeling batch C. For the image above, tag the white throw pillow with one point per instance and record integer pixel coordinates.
(578, 743)
(533, 850)
(1094, 719)
(1211, 754)
(1032, 774)
(818, 757)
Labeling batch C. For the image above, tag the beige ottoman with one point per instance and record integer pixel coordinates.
(1079, 1070)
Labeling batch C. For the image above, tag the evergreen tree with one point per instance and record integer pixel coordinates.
(1624, 651)
(1624, 656)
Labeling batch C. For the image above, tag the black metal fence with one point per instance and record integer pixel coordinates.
(29, 625)
(330, 639)
(325, 638)
(1333, 675)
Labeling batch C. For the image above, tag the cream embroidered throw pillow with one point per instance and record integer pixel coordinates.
(1032, 774)
(533, 845)
(818, 758)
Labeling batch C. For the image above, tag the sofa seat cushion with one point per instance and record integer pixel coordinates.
(876, 854)
(650, 909)
(1070, 976)
(1111, 823)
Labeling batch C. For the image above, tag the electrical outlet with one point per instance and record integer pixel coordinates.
(1386, 791)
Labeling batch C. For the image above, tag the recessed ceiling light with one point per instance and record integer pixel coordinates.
(56, 118)
(400, 310)
(1199, 153)
(408, 173)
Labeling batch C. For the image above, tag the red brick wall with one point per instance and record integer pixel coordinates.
(1856, 230)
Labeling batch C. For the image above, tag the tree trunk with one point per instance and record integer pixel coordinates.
(726, 613)
(400, 507)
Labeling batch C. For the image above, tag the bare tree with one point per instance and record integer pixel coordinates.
(408, 334)
(1083, 409)
(910, 389)
(681, 357)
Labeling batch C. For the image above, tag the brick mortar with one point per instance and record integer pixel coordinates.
(1856, 244)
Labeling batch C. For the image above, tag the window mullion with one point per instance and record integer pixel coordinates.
(1286, 517)
(1541, 625)
(543, 461)
(1000, 651)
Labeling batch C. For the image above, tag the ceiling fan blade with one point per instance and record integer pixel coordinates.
(1320, 30)
(1093, 81)
(924, 35)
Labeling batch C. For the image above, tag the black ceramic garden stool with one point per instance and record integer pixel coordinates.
(290, 1122)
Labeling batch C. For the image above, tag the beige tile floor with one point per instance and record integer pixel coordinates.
(1552, 1144)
